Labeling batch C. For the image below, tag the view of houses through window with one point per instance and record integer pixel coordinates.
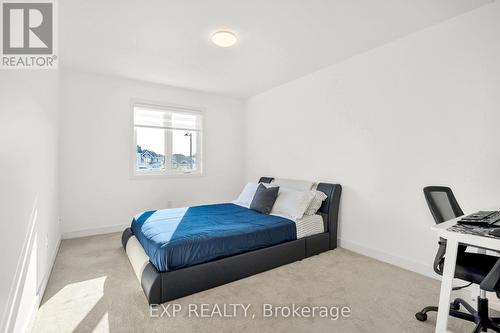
(167, 141)
(150, 148)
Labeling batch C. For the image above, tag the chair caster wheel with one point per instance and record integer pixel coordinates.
(455, 306)
(421, 316)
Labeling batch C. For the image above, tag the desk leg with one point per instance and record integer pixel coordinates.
(446, 285)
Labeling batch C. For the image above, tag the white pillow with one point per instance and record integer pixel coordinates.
(315, 203)
(292, 204)
(293, 184)
(246, 196)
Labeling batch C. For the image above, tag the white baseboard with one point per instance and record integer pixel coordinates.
(94, 231)
(469, 294)
(33, 308)
(41, 291)
(389, 258)
(32, 315)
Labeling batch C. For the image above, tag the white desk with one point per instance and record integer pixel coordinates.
(452, 241)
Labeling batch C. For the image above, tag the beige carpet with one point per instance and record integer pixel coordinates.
(93, 289)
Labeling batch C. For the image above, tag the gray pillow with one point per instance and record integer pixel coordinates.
(264, 198)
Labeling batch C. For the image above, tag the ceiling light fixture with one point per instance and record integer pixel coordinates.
(224, 38)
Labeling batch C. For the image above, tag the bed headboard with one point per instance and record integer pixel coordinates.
(329, 209)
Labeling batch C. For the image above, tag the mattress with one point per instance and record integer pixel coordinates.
(182, 237)
(309, 225)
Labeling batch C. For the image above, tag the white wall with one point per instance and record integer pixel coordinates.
(422, 110)
(28, 191)
(97, 191)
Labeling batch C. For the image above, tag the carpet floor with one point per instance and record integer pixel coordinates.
(93, 288)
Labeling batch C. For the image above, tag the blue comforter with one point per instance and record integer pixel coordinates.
(181, 237)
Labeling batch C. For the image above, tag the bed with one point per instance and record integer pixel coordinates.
(178, 252)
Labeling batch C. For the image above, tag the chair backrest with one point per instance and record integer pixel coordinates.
(442, 203)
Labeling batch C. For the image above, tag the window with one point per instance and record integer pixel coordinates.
(167, 140)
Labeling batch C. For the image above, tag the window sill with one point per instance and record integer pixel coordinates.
(166, 175)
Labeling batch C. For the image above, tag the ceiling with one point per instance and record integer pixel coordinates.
(167, 41)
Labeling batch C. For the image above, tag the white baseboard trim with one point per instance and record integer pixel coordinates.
(7, 321)
(469, 294)
(389, 258)
(41, 291)
(32, 312)
(32, 315)
(94, 231)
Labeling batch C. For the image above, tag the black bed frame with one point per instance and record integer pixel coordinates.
(162, 287)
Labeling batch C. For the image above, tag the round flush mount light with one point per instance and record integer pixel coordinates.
(224, 38)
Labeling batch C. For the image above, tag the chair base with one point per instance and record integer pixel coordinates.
(479, 316)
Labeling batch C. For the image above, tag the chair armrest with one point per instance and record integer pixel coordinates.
(439, 256)
(492, 281)
(442, 251)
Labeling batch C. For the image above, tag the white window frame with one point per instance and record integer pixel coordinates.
(200, 142)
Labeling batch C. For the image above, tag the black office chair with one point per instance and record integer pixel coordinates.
(475, 268)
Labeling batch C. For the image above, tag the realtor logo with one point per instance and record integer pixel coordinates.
(28, 35)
